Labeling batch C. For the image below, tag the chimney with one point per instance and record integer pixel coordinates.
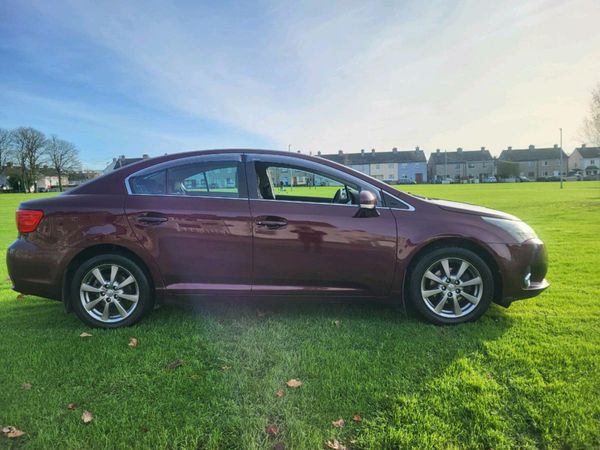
(395, 150)
(319, 153)
(298, 151)
(459, 149)
(483, 149)
(417, 149)
(145, 156)
(372, 150)
(582, 145)
(340, 152)
(509, 148)
(555, 145)
(362, 151)
(531, 147)
(437, 150)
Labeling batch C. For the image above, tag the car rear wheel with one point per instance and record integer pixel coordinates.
(451, 285)
(110, 291)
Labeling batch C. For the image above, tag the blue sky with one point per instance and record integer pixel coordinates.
(155, 77)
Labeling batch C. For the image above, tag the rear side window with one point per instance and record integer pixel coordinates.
(210, 179)
(204, 180)
(150, 184)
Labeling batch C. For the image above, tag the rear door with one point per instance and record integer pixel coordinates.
(193, 216)
(308, 238)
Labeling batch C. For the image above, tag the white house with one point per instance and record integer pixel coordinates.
(585, 160)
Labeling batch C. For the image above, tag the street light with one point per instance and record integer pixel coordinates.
(561, 160)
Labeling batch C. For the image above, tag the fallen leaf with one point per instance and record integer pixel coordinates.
(195, 376)
(279, 393)
(175, 364)
(20, 297)
(279, 446)
(12, 432)
(72, 406)
(337, 323)
(84, 334)
(144, 429)
(220, 321)
(357, 418)
(293, 383)
(133, 342)
(87, 417)
(226, 368)
(336, 445)
(272, 430)
(26, 386)
(338, 423)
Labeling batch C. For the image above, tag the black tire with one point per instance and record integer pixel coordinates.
(143, 291)
(425, 306)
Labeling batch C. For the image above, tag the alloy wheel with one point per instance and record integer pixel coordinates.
(109, 293)
(451, 287)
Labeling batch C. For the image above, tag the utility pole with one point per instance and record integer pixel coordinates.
(561, 160)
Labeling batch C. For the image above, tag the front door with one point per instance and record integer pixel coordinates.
(308, 238)
(193, 217)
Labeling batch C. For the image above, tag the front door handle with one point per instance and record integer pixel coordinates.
(152, 218)
(271, 222)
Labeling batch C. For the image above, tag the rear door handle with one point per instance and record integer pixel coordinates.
(271, 222)
(152, 218)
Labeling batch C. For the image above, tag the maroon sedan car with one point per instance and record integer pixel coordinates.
(266, 223)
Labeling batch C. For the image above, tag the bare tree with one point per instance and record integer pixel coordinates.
(5, 147)
(28, 147)
(591, 124)
(63, 156)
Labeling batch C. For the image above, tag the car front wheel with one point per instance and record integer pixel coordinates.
(110, 291)
(451, 285)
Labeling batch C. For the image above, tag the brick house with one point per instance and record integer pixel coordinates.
(537, 163)
(461, 165)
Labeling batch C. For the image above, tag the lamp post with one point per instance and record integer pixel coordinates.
(561, 160)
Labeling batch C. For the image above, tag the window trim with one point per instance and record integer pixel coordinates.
(197, 159)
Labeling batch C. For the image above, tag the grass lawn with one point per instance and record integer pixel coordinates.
(523, 377)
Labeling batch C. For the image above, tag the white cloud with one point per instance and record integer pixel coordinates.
(323, 76)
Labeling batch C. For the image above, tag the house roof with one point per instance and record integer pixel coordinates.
(589, 152)
(460, 156)
(371, 157)
(531, 154)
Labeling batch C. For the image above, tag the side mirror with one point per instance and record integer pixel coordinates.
(367, 200)
(367, 205)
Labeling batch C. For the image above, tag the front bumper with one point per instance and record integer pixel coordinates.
(523, 269)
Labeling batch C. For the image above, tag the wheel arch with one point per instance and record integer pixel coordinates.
(476, 247)
(95, 250)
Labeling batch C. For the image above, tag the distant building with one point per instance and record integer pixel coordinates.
(585, 160)
(392, 167)
(537, 163)
(461, 165)
(122, 161)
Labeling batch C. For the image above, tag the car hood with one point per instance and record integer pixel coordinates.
(466, 208)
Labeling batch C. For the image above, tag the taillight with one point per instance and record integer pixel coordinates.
(28, 220)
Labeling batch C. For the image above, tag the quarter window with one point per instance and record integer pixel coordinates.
(150, 184)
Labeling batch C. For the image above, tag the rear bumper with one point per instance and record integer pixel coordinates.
(523, 270)
(35, 270)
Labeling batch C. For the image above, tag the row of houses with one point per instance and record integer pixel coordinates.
(471, 165)
(46, 179)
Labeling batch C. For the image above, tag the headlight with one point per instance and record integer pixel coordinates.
(517, 229)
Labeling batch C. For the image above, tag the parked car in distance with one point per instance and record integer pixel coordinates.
(522, 179)
(213, 223)
(490, 180)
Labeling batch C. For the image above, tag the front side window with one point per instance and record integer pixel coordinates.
(298, 184)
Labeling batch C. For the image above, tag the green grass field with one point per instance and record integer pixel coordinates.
(524, 377)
